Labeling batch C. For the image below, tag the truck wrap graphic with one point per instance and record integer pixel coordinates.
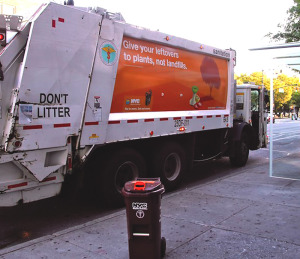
(156, 77)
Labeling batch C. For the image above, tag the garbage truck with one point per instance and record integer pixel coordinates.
(90, 101)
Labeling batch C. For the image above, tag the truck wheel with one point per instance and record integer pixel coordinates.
(241, 152)
(122, 166)
(170, 165)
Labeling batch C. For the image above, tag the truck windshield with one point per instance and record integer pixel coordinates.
(254, 100)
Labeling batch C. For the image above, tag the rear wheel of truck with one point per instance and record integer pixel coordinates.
(241, 152)
(170, 165)
(121, 166)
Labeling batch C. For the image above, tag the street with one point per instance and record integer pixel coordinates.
(286, 136)
(30, 221)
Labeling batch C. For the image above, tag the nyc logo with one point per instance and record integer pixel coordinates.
(133, 101)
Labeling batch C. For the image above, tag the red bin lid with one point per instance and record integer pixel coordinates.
(143, 185)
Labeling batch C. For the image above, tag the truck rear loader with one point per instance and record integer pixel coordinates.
(87, 97)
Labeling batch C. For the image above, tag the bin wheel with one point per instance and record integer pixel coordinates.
(121, 166)
(163, 246)
(170, 164)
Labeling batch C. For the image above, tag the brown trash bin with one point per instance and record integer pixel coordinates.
(143, 209)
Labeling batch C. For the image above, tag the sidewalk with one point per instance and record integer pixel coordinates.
(244, 215)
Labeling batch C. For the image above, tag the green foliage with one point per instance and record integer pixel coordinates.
(284, 87)
(257, 77)
(290, 31)
(296, 98)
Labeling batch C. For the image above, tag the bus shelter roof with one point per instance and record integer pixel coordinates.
(285, 54)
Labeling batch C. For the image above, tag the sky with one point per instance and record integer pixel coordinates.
(236, 24)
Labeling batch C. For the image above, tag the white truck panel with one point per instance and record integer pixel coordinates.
(57, 70)
(145, 128)
(101, 89)
(10, 65)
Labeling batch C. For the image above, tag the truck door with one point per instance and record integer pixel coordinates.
(255, 115)
(258, 118)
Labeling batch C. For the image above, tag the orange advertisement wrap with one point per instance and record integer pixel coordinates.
(153, 77)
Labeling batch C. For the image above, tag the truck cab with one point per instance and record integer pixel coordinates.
(251, 109)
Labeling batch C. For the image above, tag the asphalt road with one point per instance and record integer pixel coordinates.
(286, 136)
(286, 140)
(30, 221)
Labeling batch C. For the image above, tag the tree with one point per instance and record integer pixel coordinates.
(257, 78)
(283, 87)
(296, 99)
(290, 31)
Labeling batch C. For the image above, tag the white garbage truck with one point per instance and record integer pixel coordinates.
(87, 98)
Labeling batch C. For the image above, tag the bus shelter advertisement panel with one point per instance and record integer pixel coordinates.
(154, 77)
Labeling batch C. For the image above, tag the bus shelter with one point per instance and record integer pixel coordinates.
(282, 55)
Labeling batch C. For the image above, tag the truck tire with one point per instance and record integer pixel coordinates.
(121, 166)
(241, 152)
(170, 165)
